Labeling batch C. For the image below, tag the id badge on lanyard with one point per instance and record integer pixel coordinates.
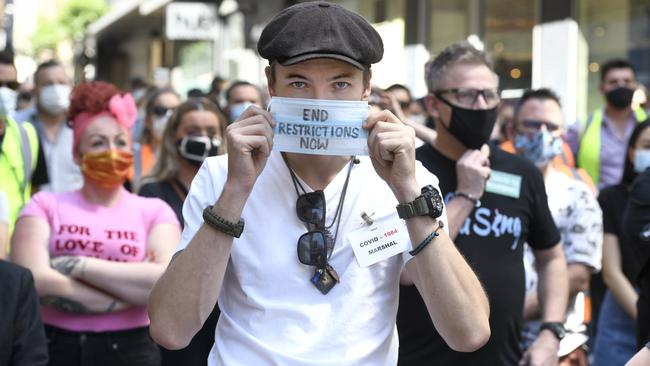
(321, 127)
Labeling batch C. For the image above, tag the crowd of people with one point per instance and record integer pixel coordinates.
(145, 227)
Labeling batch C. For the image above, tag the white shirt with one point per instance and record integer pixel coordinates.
(271, 314)
(64, 173)
(577, 214)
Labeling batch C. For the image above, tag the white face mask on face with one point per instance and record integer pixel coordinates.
(54, 99)
(641, 160)
(7, 101)
(158, 124)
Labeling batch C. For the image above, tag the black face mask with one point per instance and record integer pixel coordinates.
(620, 97)
(472, 127)
(196, 148)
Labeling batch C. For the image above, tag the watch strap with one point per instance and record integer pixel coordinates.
(418, 207)
(556, 328)
(217, 222)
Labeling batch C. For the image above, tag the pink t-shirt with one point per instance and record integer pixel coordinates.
(118, 233)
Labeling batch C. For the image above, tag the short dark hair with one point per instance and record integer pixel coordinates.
(239, 83)
(615, 64)
(629, 174)
(45, 65)
(215, 85)
(541, 93)
(195, 93)
(400, 87)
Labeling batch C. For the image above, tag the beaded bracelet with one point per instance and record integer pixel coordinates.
(427, 240)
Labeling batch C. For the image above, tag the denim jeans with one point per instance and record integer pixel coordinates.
(616, 337)
(132, 347)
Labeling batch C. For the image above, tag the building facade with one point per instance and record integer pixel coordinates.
(131, 40)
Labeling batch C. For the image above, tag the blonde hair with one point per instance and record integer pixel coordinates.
(167, 165)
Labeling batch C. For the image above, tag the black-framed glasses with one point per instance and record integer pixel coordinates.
(537, 125)
(467, 97)
(13, 84)
(315, 246)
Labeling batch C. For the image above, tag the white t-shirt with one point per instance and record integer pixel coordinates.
(271, 314)
(577, 214)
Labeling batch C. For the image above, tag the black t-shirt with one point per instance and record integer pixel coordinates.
(166, 192)
(612, 201)
(636, 221)
(40, 175)
(491, 240)
(197, 351)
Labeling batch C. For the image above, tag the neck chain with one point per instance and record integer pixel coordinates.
(337, 214)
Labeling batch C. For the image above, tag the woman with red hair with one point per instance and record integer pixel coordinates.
(95, 253)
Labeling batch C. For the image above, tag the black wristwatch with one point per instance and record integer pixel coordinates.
(429, 203)
(219, 223)
(555, 327)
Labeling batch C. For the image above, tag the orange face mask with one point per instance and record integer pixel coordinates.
(107, 169)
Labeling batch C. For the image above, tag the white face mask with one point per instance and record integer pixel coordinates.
(7, 101)
(54, 99)
(138, 94)
(641, 160)
(158, 124)
(237, 109)
(322, 127)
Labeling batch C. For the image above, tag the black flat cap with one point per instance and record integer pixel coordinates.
(320, 29)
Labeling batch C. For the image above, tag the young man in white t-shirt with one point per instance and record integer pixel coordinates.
(275, 309)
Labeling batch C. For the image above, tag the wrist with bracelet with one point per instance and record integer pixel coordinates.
(430, 204)
(217, 222)
(468, 196)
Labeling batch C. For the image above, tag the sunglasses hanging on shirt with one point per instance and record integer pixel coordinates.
(315, 247)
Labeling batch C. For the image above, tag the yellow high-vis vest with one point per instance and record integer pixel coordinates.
(590, 142)
(17, 163)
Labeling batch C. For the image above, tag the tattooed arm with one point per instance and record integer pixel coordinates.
(29, 249)
(131, 281)
(72, 306)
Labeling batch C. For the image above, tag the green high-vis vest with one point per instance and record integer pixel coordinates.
(17, 163)
(590, 142)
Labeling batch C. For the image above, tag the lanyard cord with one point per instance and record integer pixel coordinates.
(339, 208)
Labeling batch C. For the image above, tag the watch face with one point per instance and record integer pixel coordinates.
(434, 200)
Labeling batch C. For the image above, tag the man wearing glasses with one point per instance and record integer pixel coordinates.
(290, 288)
(496, 202)
(538, 137)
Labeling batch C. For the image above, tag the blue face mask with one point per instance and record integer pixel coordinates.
(641, 160)
(538, 147)
(237, 109)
